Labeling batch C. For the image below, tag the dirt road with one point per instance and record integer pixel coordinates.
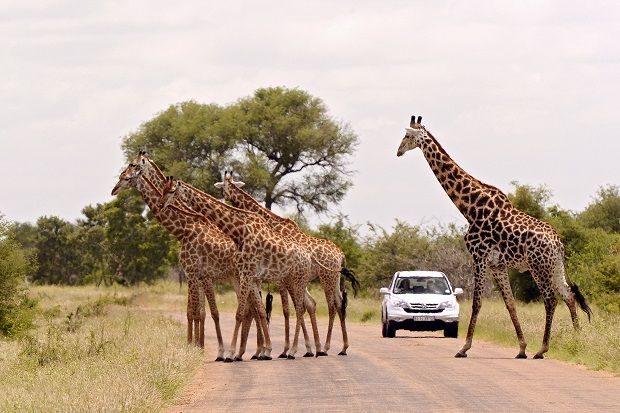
(412, 372)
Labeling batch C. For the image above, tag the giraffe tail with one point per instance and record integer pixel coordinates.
(581, 300)
(350, 275)
(343, 304)
(268, 306)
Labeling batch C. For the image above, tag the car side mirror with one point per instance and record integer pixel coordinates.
(384, 291)
(458, 291)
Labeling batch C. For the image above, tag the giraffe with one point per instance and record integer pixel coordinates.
(328, 258)
(206, 254)
(152, 171)
(500, 236)
(263, 255)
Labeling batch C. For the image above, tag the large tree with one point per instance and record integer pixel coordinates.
(281, 142)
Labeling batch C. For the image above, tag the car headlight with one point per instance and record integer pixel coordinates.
(447, 304)
(397, 302)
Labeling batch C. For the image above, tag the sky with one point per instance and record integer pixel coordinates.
(514, 91)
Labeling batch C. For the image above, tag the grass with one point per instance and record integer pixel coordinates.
(98, 349)
(596, 345)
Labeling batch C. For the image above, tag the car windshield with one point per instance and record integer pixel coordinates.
(421, 285)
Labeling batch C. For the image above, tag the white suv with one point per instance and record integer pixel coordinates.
(420, 301)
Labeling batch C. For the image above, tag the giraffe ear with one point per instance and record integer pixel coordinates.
(238, 184)
(219, 184)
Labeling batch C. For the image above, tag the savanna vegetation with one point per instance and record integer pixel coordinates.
(291, 153)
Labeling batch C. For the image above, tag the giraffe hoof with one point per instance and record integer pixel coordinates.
(219, 358)
(539, 356)
(282, 356)
(309, 354)
(228, 360)
(238, 359)
(254, 357)
(460, 355)
(290, 357)
(321, 353)
(264, 358)
(522, 356)
(342, 353)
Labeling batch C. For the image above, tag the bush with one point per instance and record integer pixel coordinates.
(17, 310)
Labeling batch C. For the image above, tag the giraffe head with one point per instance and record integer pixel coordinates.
(173, 190)
(128, 178)
(227, 186)
(414, 135)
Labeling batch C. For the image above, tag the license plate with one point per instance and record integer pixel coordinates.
(423, 318)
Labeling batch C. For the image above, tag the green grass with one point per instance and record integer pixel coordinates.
(596, 345)
(98, 349)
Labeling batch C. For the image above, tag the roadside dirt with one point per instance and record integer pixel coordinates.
(412, 372)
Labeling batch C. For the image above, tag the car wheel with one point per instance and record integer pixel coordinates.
(451, 330)
(390, 330)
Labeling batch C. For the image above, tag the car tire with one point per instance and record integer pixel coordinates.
(451, 330)
(390, 331)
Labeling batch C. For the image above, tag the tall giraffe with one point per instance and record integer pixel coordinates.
(328, 258)
(499, 237)
(152, 171)
(263, 255)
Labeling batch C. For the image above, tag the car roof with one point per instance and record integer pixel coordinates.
(407, 274)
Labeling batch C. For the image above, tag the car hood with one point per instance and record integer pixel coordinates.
(424, 298)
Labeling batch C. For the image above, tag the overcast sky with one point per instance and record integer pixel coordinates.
(524, 91)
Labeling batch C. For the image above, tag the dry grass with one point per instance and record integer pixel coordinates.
(110, 355)
(596, 345)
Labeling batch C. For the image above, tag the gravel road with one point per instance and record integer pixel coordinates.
(412, 372)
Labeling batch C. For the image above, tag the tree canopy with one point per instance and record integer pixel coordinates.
(281, 142)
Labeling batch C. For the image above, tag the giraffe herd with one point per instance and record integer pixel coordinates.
(241, 242)
(220, 242)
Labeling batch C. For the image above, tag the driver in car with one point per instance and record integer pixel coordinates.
(433, 287)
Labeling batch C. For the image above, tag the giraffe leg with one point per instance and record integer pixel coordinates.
(287, 315)
(343, 326)
(215, 315)
(239, 315)
(475, 309)
(260, 340)
(193, 310)
(245, 330)
(310, 305)
(298, 301)
(262, 317)
(550, 304)
(501, 279)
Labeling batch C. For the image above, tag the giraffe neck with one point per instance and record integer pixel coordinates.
(173, 218)
(473, 198)
(155, 175)
(232, 221)
(241, 199)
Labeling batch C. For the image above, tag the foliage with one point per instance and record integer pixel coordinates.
(16, 308)
(138, 246)
(281, 141)
(345, 236)
(604, 211)
(413, 248)
(189, 140)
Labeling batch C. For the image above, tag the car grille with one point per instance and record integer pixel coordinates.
(423, 308)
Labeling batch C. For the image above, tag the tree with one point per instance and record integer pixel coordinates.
(345, 236)
(282, 142)
(58, 253)
(604, 211)
(16, 309)
(293, 151)
(189, 140)
(139, 248)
